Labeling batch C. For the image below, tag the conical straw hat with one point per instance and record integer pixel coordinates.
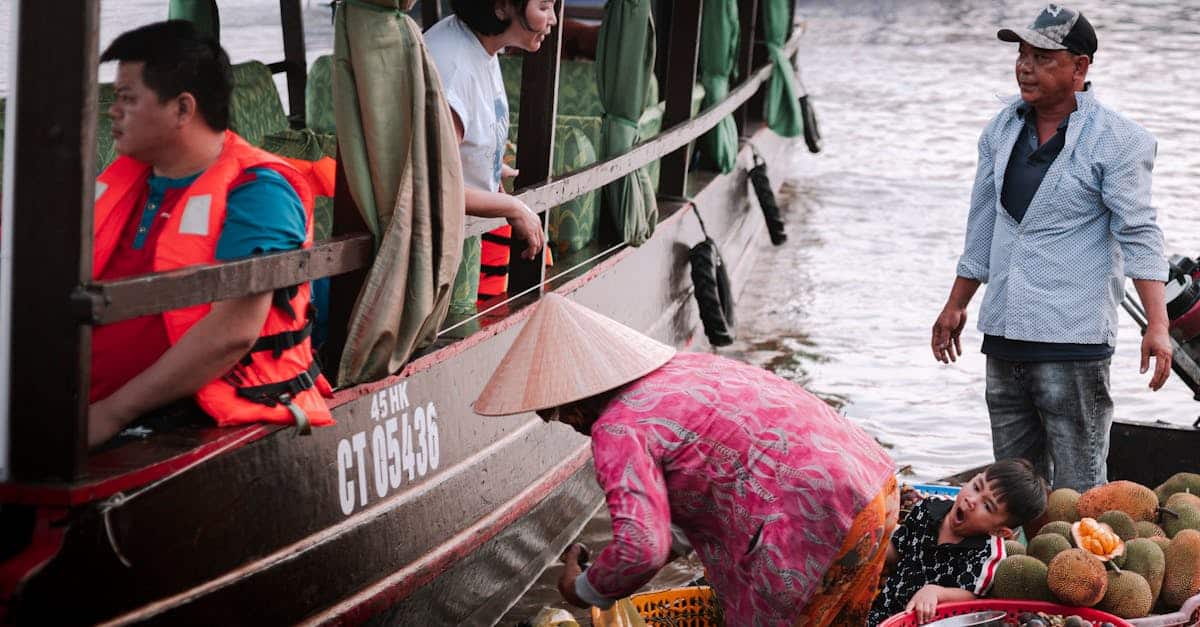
(566, 353)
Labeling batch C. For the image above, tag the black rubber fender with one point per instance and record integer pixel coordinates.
(812, 132)
(714, 293)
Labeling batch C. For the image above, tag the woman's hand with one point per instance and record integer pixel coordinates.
(924, 603)
(573, 559)
(526, 227)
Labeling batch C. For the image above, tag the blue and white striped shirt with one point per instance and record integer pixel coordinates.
(1058, 275)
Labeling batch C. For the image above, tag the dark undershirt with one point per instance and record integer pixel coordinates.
(1027, 166)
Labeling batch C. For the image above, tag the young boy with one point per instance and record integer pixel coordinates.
(947, 550)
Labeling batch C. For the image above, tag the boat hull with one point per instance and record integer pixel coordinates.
(412, 509)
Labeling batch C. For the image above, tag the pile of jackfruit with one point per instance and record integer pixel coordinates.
(1121, 548)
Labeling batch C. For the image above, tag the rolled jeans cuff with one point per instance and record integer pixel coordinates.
(588, 594)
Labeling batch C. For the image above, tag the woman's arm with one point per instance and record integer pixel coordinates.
(526, 225)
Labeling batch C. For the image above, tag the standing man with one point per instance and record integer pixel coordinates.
(1060, 214)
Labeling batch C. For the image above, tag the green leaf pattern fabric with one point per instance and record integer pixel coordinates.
(466, 281)
(310, 146)
(254, 107)
(572, 225)
(318, 96)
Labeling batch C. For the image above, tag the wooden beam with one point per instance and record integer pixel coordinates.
(747, 20)
(431, 13)
(112, 301)
(681, 79)
(535, 142)
(53, 192)
(293, 54)
(343, 289)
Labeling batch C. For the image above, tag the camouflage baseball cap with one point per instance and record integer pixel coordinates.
(1056, 28)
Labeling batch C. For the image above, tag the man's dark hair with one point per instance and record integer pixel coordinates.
(1017, 485)
(480, 15)
(179, 59)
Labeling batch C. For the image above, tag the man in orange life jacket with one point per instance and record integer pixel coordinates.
(184, 191)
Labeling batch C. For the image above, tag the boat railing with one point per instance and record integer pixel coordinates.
(48, 411)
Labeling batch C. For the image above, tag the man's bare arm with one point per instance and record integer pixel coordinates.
(209, 349)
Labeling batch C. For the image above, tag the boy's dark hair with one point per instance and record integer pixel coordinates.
(180, 59)
(480, 15)
(1017, 485)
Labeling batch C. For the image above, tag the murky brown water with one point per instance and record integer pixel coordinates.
(876, 220)
(903, 88)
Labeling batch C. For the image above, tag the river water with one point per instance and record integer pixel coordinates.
(876, 220)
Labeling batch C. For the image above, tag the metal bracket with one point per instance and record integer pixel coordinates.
(87, 304)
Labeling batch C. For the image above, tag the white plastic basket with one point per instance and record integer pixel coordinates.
(1187, 616)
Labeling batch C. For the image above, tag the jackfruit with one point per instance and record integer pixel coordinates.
(1128, 595)
(1144, 557)
(1021, 577)
(1059, 527)
(1182, 498)
(1162, 541)
(1147, 529)
(1179, 482)
(1121, 524)
(1077, 577)
(1140, 502)
(1181, 517)
(1060, 505)
(1012, 547)
(1182, 578)
(1045, 546)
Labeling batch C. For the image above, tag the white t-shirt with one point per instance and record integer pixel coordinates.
(475, 90)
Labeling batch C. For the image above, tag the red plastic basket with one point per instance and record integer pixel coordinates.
(1012, 607)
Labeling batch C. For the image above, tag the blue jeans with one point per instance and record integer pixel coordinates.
(1056, 414)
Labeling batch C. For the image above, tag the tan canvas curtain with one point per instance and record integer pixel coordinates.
(402, 167)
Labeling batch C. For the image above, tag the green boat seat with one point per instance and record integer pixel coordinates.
(106, 151)
(255, 110)
(318, 96)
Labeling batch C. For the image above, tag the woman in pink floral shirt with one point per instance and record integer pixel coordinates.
(766, 481)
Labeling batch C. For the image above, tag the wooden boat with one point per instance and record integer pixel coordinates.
(412, 510)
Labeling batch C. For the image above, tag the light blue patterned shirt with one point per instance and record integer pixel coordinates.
(1058, 275)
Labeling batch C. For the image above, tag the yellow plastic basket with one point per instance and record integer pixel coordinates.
(678, 607)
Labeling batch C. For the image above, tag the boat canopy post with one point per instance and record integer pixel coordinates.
(748, 19)
(52, 192)
(683, 52)
(535, 143)
(6, 215)
(431, 13)
(293, 59)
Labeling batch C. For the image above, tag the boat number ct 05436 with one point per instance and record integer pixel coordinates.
(403, 446)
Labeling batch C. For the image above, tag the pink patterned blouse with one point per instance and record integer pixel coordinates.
(763, 477)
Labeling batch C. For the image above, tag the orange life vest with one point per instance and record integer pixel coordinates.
(494, 253)
(278, 381)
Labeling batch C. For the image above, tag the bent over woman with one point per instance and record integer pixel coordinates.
(788, 504)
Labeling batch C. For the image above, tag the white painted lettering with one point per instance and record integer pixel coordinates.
(393, 452)
(379, 457)
(435, 440)
(360, 443)
(394, 397)
(423, 454)
(345, 461)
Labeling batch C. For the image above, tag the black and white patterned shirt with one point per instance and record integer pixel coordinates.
(969, 564)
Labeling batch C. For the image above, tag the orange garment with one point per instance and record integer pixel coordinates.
(851, 583)
(319, 174)
(495, 252)
(279, 380)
